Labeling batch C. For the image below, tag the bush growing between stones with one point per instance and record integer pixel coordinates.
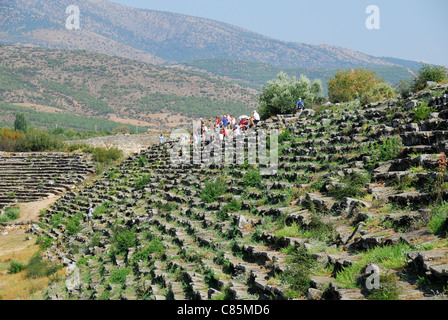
(389, 148)
(122, 240)
(38, 268)
(74, 224)
(118, 276)
(142, 182)
(380, 92)
(213, 189)
(297, 274)
(351, 186)
(106, 155)
(252, 178)
(44, 242)
(388, 288)
(421, 111)
(438, 223)
(429, 73)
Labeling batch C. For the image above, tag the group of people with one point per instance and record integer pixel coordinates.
(226, 126)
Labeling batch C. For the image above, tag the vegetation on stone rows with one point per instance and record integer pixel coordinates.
(213, 189)
(389, 257)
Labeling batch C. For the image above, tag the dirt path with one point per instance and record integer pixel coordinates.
(30, 210)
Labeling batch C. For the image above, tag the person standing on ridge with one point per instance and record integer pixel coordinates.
(300, 105)
(90, 215)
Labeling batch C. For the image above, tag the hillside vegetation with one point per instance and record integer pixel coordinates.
(256, 74)
(110, 88)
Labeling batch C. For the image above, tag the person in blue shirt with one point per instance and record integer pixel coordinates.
(224, 122)
(300, 105)
(161, 139)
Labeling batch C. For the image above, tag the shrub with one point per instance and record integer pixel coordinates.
(9, 139)
(44, 242)
(74, 224)
(232, 206)
(106, 155)
(11, 213)
(38, 268)
(350, 187)
(35, 140)
(142, 161)
(421, 111)
(389, 148)
(404, 88)
(123, 239)
(281, 94)
(16, 267)
(142, 182)
(380, 92)
(297, 274)
(154, 247)
(118, 276)
(388, 289)
(438, 221)
(213, 189)
(252, 178)
(347, 85)
(429, 73)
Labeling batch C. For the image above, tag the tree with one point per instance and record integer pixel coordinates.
(281, 94)
(429, 73)
(347, 85)
(20, 124)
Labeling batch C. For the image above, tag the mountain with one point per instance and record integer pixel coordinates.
(112, 88)
(160, 37)
(256, 74)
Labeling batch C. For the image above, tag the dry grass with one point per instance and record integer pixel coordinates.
(14, 246)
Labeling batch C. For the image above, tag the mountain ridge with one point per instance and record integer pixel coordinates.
(161, 37)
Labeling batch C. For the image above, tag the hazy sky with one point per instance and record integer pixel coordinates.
(409, 29)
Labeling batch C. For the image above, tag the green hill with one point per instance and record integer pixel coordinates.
(256, 74)
(112, 88)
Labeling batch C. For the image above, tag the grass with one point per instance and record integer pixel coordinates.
(391, 257)
(438, 221)
(18, 286)
(11, 214)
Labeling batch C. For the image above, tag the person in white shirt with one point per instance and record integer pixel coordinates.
(256, 117)
(237, 130)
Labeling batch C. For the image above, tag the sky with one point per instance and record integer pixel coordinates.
(408, 29)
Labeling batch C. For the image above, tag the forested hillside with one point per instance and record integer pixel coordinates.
(110, 88)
